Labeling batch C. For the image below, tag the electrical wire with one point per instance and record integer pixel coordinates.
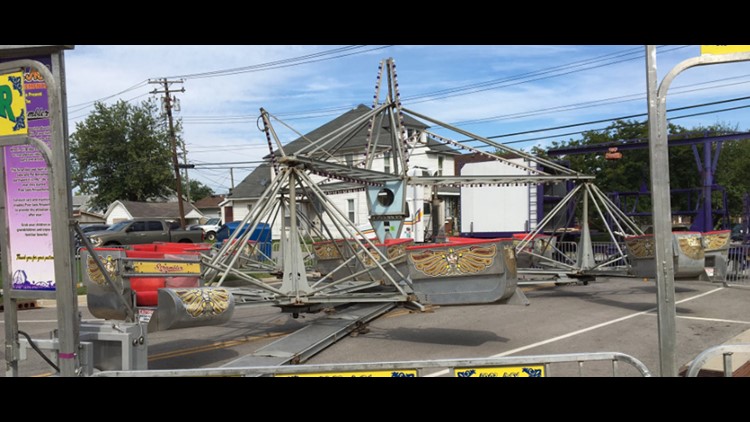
(39, 351)
(278, 64)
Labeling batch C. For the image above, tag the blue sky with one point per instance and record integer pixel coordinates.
(489, 89)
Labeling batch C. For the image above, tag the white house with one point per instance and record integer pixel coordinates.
(126, 210)
(425, 155)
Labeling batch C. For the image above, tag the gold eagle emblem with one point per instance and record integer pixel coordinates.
(92, 270)
(395, 251)
(454, 261)
(716, 241)
(691, 246)
(641, 247)
(326, 251)
(204, 302)
(366, 260)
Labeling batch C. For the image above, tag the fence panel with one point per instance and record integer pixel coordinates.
(738, 266)
(726, 350)
(516, 366)
(607, 253)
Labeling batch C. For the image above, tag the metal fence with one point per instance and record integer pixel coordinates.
(605, 254)
(516, 366)
(726, 350)
(738, 266)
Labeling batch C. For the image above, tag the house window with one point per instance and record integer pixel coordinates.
(440, 165)
(350, 208)
(387, 162)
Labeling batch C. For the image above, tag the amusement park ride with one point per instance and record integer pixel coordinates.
(324, 260)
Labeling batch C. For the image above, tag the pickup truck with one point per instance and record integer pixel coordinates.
(209, 228)
(143, 230)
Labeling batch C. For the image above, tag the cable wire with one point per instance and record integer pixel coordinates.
(38, 350)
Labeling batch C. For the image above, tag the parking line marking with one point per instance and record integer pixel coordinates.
(731, 321)
(581, 331)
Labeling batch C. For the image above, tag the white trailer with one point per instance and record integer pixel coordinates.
(493, 209)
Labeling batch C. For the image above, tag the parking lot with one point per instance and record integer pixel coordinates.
(610, 314)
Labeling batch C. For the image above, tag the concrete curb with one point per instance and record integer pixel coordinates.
(49, 303)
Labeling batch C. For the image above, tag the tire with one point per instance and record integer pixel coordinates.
(211, 236)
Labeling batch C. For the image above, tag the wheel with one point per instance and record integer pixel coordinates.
(211, 236)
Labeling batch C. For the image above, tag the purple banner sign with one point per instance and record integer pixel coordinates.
(27, 194)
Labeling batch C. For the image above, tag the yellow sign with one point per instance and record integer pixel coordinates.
(501, 371)
(402, 373)
(172, 268)
(724, 49)
(12, 105)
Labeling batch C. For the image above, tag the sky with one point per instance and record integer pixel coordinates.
(490, 90)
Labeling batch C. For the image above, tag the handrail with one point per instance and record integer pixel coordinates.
(545, 360)
(725, 349)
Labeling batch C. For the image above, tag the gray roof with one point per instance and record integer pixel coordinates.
(209, 202)
(156, 209)
(254, 184)
(358, 139)
(434, 146)
(80, 201)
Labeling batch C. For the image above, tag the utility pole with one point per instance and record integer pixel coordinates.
(173, 139)
(185, 166)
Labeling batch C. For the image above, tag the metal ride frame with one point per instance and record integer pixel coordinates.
(662, 208)
(293, 185)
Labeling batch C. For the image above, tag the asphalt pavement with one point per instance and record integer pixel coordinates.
(607, 315)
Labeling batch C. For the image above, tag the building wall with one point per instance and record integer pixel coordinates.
(210, 213)
(497, 209)
(418, 158)
(119, 213)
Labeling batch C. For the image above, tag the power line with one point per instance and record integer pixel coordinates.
(633, 124)
(81, 106)
(278, 64)
(631, 116)
(594, 103)
(424, 97)
(288, 62)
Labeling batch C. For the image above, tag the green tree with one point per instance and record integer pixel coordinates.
(632, 171)
(198, 190)
(122, 152)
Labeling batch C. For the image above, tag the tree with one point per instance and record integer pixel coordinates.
(198, 190)
(122, 152)
(632, 171)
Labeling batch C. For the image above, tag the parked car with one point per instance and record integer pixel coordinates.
(209, 228)
(144, 230)
(89, 228)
